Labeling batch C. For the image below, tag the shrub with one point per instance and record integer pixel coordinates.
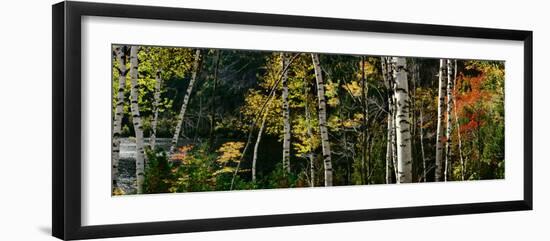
(194, 172)
(158, 173)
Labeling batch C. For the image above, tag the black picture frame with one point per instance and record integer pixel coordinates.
(66, 127)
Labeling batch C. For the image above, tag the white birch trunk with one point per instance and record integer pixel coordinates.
(449, 120)
(311, 156)
(389, 148)
(117, 123)
(422, 144)
(364, 97)
(257, 145)
(390, 142)
(310, 135)
(402, 119)
(136, 119)
(156, 103)
(179, 121)
(388, 78)
(325, 144)
(394, 139)
(286, 116)
(458, 129)
(440, 116)
(459, 144)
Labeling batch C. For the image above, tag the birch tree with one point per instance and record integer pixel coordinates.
(458, 128)
(422, 144)
(365, 107)
(325, 144)
(156, 103)
(391, 156)
(440, 115)
(256, 146)
(120, 53)
(286, 116)
(449, 120)
(309, 131)
(389, 150)
(136, 118)
(403, 132)
(179, 120)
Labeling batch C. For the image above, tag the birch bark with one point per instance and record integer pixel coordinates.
(422, 144)
(391, 148)
(179, 120)
(364, 95)
(310, 135)
(403, 131)
(394, 116)
(136, 119)
(286, 116)
(449, 120)
(120, 53)
(257, 145)
(325, 144)
(440, 115)
(156, 103)
(458, 128)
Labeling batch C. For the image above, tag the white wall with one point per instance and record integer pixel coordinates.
(25, 107)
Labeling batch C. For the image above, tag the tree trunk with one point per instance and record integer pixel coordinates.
(412, 70)
(459, 145)
(458, 129)
(310, 135)
(213, 105)
(388, 149)
(136, 119)
(286, 117)
(258, 139)
(325, 144)
(390, 143)
(403, 132)
(156, 103)
(394, 138)
(440, 115)
(179, 120)
(390, 70)
(120, 53)
(391, 78)
(449, 120)
(422, 144)
(479, 150)
(364, 94)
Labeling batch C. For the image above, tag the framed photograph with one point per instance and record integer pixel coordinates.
(170, 120)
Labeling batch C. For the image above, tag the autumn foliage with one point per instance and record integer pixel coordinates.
(470, 101)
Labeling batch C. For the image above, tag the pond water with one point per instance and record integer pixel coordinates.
(126, 179)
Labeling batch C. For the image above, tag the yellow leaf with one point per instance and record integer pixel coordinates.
(230, 151)
(353, 88)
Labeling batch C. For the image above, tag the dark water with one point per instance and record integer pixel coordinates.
(126, 179)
